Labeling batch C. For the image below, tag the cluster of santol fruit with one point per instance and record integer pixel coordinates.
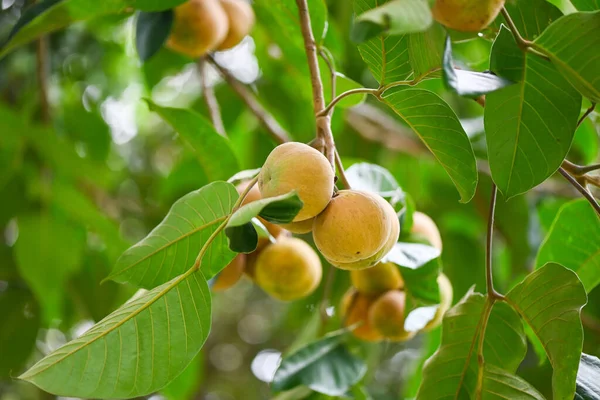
(353, 230)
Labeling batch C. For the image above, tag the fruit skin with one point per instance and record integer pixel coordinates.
(446, 294)
(386, 315)
(300, 226)
(377, 279)
(288, 270)
(231, 274)
(199, 26)
(425, 227)
(354, 309)
(241, 20)
(297, 166)
(356, 230)
(466, 15)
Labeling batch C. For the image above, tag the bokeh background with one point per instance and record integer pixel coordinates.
(79, 187)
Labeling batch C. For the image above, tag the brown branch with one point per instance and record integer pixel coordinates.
(323, 123)
(210, 99)
(271, 125)
(586, 113)
(341, 172)
(584, 192)
(42, 78)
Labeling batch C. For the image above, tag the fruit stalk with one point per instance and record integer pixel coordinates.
(209, 98)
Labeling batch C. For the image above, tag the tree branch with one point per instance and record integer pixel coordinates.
(323, 123)
(210, 99)
(586, 113)
(271, 125)
(329, 108)
(42, 77)
(585, 193)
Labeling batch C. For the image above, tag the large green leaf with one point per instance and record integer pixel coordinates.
(171, 248)
(151, 31)
(51, 15)
(529, 125)
(395, 17)
(48, 252)
(188, 382)
(550, 301)
(212, 150)
(137, 349)
(588, 378)
(435, 122)
(573, 45)
(18, 330)
(573, 241)
(325, 366)
(531, 17)
(586, 5)
(426, 52)
(451, 373)
(376, 179)
(499, 384)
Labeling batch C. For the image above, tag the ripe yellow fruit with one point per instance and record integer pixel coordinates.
(354, 309)
(288, 270)
(241, 20)
(356, 230)
(378, 279)
(466, 15)
(199, 26)
(424, 227)
(446, 294)
(386, 316)
(297, 166)
(231, 274)
(300, 226)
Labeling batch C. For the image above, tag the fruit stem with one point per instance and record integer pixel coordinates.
(277, 133)
(586, 113)
(343, 95)
(341, 172)
(210, 99)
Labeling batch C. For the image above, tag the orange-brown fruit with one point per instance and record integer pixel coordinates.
(356, 229)
(377, 279)
(231, 274)
(466, 15)
(297, 166)
(354, 309)
(300, 226)
(288, 270)
(386, 316)
(241, 20)
(446, 294)
(424, 227)
(199, 26)
(254, 195)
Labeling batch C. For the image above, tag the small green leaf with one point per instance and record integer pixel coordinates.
(573, 242)
(426, 52)
(395, 17)
(529, 125)
(325, 366)
(432, 119)
(134, 351)
(469, 83)
(151, 31)
(588, 378)
(376, 179)
(212, 150)
(244, 175)
(498, 383)
(171, 248)
(550, 301)
(576, 54)
(586, 5)
(279, 210)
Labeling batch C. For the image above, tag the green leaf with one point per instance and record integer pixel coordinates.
(585, 143)
(550, 301)
(573, 45)
(498, 383)
(212, 150)
(171, 248)
(342, 84)
(586, 5)
(18, 330)
(48, 252)
(325, 366)
(137, 349)
(243, 176)
(529, 125)
(437, 125)
(395, 17)
(531, 17)
(588, 378)
(469, 83)
(376, 179)
(426, 52)
(419, 266)
(188, 382)
(573, 242)
(151, 31)
(452, 371)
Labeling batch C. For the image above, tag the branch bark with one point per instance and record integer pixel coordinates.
(275, 130)
(210, 99)
(584, 192)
